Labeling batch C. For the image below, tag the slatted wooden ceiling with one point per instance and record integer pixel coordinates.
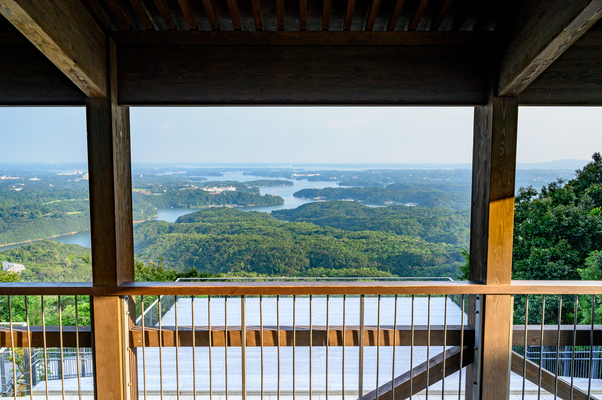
(296, 15)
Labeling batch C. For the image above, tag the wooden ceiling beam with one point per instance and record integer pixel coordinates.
(441, 16)
(419, 14)
(326, 15)
(541, 31)
(349, 15)
(78, 48)
(211, 15)
(257, 14)
(372, 15)
(143, 14)
(396, 14)
(166, 15)
(188, 12)
(120, 15)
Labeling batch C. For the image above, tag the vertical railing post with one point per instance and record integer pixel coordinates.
(491, 234)
(112, 235)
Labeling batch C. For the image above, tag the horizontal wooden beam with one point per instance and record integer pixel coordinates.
(301, 288)
(302, 68)
(548, 379)
(291, 38)
(29, 78)
(319, 336)
(66, 33)
(53, 335)
(402, 336)
(575, 78)
(541, 30)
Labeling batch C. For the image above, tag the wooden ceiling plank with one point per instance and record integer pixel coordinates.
(78, 49)
(542, 31)
(396, 14)
(326, 15)
(211, 16)
(441, 16)
(303, 15)
(188, 12)
(372, 15)
(349, 15)
(280, 14)
(143, 13)
(100, 15)
(119, 13)
(257, 14)
(166, 15)
(419, 13)
(235, 15)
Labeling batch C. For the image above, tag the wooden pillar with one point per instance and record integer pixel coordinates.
(112, 235)
(492, 224)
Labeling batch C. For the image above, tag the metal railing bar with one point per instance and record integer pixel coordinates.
(543, 314)
(31, 371)
(61, 344)
(412, 351)
(243, 349)
(79, 382)
(444, 349)
(525, 344)
(574, 343)
(461, 349)
(428, 347)
(344, 340)
(378, 348)
(226, 344)
(160, 351)
(294, 344)
(360, 391)
(278, 327)
(12, 348)
(557, 348)
(193, 348)
(210, 346)
(591, 349)
(177, 349)
(311, 353)
(327, 339)
(143, 347)
(394, 350)
(261, 337)
(45, 348)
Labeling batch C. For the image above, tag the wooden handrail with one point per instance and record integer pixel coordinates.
(302, 288)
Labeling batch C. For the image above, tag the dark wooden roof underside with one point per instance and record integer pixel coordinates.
(323, 52)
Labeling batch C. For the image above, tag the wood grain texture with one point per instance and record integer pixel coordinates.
(326, 15)
(234, 15)
(301, 75)
(109, 379)
(493, 176)
(36, 336)
(110, 187)
(29, 78)
(401, 386)
(166, 14)
(495, 348)
(78, 49)
(548, 379)
(575, 78)
(303, 288)
(188, 12)
(143, 14)
(540, 33)
(335, 335)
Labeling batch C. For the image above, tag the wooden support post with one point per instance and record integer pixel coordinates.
(112, 236)
(492, 224)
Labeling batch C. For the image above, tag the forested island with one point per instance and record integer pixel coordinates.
(408, 194)
(234, 242)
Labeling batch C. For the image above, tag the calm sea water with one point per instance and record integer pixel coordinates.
(172, 214)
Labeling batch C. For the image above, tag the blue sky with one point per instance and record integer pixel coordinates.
(299, 134)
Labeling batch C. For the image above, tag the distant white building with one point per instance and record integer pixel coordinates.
(12, 267)
(216, 189)
(4, 177)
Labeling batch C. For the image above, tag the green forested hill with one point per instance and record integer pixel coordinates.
(422, 195)
(48, 261)
(431, 224)
(250, 243)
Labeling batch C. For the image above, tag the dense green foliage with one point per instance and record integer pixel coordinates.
(425, 196)
(48, 261)
(557, 236)
(219, 240)
(557, 229)
(431, 224)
